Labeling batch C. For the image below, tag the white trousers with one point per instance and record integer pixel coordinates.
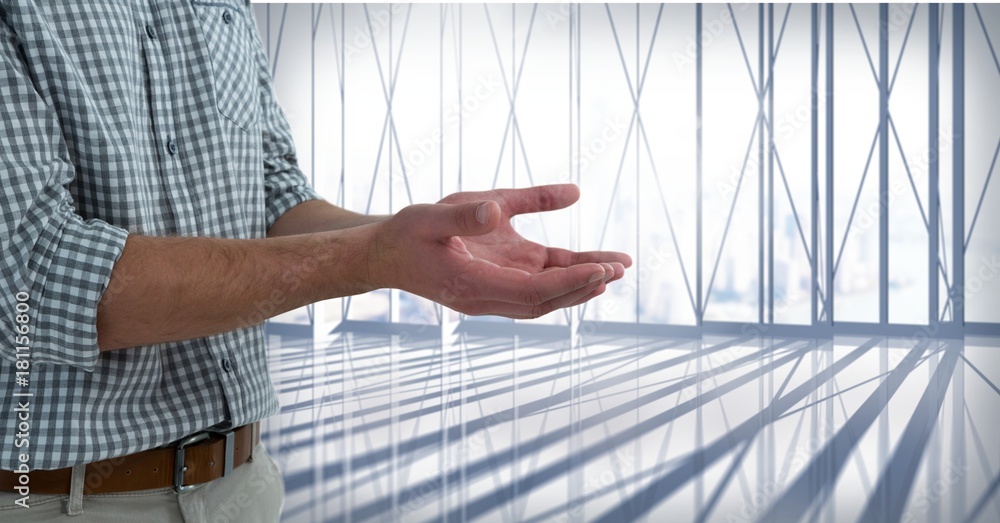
(254, 492)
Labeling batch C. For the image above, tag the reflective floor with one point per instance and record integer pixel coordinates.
(539, 428)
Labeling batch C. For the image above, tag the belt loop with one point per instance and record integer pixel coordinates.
(74, 505)
(253, 439)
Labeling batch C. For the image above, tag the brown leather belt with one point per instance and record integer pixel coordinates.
(196, 459)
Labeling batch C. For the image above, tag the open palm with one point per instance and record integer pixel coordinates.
(504, 247)
(462, 252)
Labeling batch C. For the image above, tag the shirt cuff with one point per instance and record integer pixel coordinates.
(74, 272)
(279, 201)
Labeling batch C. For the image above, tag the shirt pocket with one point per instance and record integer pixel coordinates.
(225, 29)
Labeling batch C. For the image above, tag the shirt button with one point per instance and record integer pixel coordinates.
(227, 365)
(149, 32)
(227, 17)
(171, 146)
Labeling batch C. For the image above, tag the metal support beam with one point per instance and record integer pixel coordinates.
(989, 332)
(883, 164)
(760, 163)
(770, 164)
(814, 159)
(829, 166)
(933, 167)
(699, 312)
(958, 170)
(958, 458)
(345, 185)
(985, 333)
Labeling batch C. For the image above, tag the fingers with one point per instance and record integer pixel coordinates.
(539, 199)
(522, 311)
(593, 294)
(619, 271)
(493, 283)
(465, 219)
(563, 258)
(572, 298)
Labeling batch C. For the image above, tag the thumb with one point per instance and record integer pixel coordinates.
(463, 219)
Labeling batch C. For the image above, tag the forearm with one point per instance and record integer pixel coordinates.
(169, 289)
(318, 216)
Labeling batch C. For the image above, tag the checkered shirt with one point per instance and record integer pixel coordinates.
(146, 117)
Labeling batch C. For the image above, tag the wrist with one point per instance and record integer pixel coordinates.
(342, 262)
(381, 256)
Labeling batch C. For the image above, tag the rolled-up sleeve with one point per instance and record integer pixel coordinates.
(61, 261)
(285, 185)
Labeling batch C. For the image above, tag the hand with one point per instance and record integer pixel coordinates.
(464, 253)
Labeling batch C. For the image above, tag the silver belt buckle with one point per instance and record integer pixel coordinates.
(179, 457)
